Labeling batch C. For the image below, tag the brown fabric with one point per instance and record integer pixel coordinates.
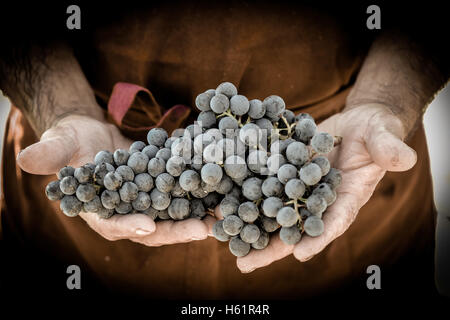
(301, 55)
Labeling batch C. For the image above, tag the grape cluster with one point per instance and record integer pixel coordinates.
(264, 166)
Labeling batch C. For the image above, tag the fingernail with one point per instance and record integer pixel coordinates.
(307, 258)
(197, 238)
(142, 232)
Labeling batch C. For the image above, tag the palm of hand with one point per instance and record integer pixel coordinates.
(370, 146)
(75, 141)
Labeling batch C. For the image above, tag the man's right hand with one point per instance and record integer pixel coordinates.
(75, 140)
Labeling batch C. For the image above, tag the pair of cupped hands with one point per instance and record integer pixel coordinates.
(372, 144)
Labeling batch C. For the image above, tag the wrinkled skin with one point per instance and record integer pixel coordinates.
(371, 145)
(74, 141)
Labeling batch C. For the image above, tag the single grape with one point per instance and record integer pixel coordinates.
(313, 226)
(83, 174)
(228, 123)
(53, 191)
(157, 137)
(275, 107)
(305, 130)
(290, 235)
(250, 134)
(235, 167)
(138, 161)
(248, 212)
(144, 182)
(211, 173)
(136, 146)
(274, 162)
(202, 101)
(164, 153)
(262, 241)
(257, 160)
(304, 213)
(289, 115)
(165, 182)
(86, 192)
(206, 119)
(95, 205)
(70, 205)
(175, 166)
(225, 185)
(213, 153)
(322, 142)
(219, 233)
(297, 153)
(193, 130)
(189, 180)
(271, 206)
(286, 172)
(219, 103)
(287, 217)
(124, 208)
(272, 187)
(199, 193)
(265, 125)
(294, 188)
(333, 178)
(232, 225)
(103, 156)
(150, 151)
(238, 247)
(324, 190)
(128, 192)
(226, 88)
(126, 172)
(251, 188)
(256, 109)
(310, 174)
(316, 204)
(197, 209)
(68, 185)
(110, 199)
(269, 224)
(323, 163)
(239, 105)
(160, 200)
(65, 172)
(112, 181)
(142, 201)
(156, 166)
(250, 233)
(228, 206)
(179, 209)
(197, 162)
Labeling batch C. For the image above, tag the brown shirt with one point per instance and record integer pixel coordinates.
(304, 55)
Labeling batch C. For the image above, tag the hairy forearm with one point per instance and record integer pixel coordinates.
(402, 74)
(47, 84)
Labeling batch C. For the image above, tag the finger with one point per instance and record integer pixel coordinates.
(120, 226)
(209, 221)
(48, 155)
(170, 232)
(217, 213)
(276, 250)
(388, 150)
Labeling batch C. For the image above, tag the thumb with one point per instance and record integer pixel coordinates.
(54, 151)
(386, 147)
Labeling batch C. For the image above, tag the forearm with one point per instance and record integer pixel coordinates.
(402, 74)
(47, 84)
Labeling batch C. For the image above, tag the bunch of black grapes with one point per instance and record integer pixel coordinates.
(260, 163)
